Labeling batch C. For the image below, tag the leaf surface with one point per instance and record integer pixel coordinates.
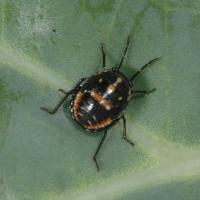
(47, 45)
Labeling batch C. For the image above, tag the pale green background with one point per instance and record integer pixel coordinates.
(50, 158)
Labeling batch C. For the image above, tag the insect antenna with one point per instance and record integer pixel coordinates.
(124, 53)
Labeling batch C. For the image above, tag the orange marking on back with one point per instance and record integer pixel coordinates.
(105, 103)
(76, 104)
(112, 87)
(99, 125)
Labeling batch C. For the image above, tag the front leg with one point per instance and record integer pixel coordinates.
(63, 91)
(54, 110)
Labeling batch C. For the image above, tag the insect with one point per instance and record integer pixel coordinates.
(98, 102)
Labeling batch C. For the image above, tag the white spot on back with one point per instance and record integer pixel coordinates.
(100, 80)
(93, 116)
(90, 106)
(120, 98)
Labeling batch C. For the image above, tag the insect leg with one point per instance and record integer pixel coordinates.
(144, 92)
(142, 68)
(103, 56)
(98, 148)
(124, 53)
(53, 111)
(124, 131)
(63, 91)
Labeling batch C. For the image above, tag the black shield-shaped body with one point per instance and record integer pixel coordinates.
(100, 100)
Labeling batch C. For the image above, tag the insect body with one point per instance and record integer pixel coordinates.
(101, 100)
(98, 102)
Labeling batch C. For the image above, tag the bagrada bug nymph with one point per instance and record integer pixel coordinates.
(98, 102)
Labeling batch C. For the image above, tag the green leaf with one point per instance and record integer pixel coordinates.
(47, 45)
